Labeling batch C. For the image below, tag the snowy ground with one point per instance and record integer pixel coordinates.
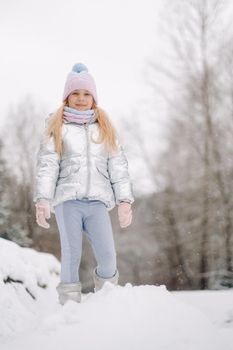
(116, 318)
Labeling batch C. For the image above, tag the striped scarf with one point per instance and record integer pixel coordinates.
(79, 117)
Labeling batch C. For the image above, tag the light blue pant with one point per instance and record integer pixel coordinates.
(75, 216)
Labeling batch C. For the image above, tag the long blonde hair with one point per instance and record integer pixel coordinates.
(107, 133)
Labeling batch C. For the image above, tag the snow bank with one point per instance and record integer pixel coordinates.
(23, 274)
(127, 318)
(116, 318)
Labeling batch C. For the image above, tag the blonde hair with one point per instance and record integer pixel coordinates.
(107, 133)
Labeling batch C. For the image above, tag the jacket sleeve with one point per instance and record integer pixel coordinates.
(119, 176)
(47, 170)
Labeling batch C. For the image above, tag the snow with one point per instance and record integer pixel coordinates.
(116, 317)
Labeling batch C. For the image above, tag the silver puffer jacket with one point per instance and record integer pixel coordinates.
(85, 170)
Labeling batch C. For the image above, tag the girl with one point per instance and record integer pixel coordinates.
(82, 173)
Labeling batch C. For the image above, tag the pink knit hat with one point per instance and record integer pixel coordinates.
(79, 78)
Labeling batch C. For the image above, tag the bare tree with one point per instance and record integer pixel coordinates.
(193, 174)
(23, 129)
(197, 51)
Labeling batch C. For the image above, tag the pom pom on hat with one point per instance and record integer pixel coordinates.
(79, 67)
(80, 78)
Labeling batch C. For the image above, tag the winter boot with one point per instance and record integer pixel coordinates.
(99, 281)
(69, 291)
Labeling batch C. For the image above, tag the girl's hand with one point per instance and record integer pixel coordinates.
(42, 213)
(124, 214)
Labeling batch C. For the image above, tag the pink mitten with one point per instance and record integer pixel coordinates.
(124, 214)
(42, 212)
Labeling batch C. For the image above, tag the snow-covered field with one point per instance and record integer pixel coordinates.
(116, 318)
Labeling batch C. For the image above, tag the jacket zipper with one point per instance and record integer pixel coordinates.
(88, 162)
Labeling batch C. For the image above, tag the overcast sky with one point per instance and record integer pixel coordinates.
(42, 39)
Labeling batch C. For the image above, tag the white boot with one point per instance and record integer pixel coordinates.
(99, 281)
(69, 291)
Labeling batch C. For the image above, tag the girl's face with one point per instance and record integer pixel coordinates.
(81, 100)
